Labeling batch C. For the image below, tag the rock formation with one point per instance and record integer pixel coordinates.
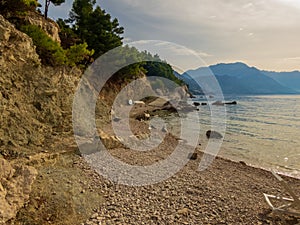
(35, 101)
(15, 187)
(49, 26)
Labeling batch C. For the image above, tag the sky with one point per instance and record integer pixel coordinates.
(261, 33)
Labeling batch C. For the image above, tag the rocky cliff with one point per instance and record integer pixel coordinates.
(35, 104)
(35, 101)
(50, 27)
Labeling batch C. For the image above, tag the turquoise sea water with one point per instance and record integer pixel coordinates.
(263, 131)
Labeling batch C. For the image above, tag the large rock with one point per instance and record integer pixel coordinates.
(213, 134)
(15, 187)
(15, 46)
(49, 26)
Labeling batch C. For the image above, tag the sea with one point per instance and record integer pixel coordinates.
(262, 130)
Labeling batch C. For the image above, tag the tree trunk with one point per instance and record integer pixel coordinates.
(47, 3)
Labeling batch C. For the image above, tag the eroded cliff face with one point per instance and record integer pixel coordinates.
(35, 104)
(50, 27)
(34, 101)
(36, 138)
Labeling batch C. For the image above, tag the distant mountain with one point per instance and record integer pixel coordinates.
(288, 79)
(192, 84)
(234, 78)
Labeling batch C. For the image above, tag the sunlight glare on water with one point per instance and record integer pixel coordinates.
(261, 130)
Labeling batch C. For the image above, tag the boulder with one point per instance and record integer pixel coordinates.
(143, 117)
(15, 187)
(193, 156)
(231, 103)
(196, 103)
(219, 103)
(213, 134)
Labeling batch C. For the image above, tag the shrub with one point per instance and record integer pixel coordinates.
(30, 3)
(50, 52)
(78, 54)
(10, 8)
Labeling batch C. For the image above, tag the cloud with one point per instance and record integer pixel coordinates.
(257, 31)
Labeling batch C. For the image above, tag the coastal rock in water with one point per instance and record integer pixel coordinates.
(15, 187)
(213, 134)
(231, 103)
(219, 103)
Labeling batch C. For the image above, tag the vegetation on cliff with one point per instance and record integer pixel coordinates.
(88, 33)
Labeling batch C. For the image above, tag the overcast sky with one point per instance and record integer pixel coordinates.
(261, 33)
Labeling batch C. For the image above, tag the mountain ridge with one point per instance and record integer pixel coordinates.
(239, 78)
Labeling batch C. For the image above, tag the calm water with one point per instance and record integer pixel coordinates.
(261, 130)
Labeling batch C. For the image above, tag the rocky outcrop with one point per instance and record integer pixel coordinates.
(35, 102)
(15, 187)
(15, 46)
(231, 103)
(49, 26)
(218, 103)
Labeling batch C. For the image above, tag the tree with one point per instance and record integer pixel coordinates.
(95, 26)
(81, 10)
(10, 8)
(47, 3)
(67, 35)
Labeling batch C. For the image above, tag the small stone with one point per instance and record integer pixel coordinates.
(183, 211)
(193, 156)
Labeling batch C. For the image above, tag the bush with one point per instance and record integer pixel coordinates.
(30, 3)
(50, 52)
(78, 54)
(9, 8)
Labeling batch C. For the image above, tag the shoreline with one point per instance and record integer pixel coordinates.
(227, 192)
(285, 174)
(153, 110)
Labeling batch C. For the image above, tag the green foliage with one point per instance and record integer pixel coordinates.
(81, 10)
(89, 32)
(161, 69)
(30, 3)
(50, 52)
(78, 54)
(95, 27)
(9, 8)
(67, 35)
(140, 62)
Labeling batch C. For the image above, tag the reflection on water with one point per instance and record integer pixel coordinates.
(261, 130)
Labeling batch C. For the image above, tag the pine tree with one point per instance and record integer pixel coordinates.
(95, 26)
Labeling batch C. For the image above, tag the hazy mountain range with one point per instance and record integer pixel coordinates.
(239, 78)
